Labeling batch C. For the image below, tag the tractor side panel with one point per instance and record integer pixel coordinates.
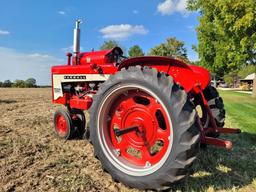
(77, 74)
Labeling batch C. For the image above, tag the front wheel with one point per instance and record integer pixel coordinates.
(63, 125)
(79, 122)
(143, 128)
(69, 124)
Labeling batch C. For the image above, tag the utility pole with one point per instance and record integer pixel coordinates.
(254, 88)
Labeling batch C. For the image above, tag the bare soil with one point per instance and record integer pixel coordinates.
(33, 159)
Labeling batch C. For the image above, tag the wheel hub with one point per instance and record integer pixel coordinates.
(61, 125)
(139, 116)
(147, 144)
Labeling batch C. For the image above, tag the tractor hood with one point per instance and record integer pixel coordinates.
(100, 57)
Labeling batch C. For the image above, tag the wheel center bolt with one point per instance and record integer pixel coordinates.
(141, 131)
(140, 128)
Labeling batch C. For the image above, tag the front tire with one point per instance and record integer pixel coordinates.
(63, 125)
(79, 122)
(167, 139)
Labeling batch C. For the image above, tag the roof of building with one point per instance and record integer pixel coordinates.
(250, 77)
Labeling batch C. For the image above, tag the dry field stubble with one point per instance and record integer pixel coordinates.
(33, 159)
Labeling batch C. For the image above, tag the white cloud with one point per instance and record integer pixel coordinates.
(123, 31)
(18, 65)
(67, 49)
(181, 6)
(39, 56)
(4, 32)
(135, 11)
(191, 28)
(70, 49)
(169, 7)
(62, 12)
(166, 7)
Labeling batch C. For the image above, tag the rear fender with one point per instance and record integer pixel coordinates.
(202, 76)
(186, 75)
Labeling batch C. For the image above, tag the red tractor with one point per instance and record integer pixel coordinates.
(144, 125)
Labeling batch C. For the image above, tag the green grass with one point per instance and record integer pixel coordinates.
(241, 110)
(229, 170)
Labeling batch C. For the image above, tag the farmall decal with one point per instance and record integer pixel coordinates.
(58, 79)
(74, 77)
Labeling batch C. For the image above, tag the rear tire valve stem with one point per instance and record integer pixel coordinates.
(118, 152)
(148, 164)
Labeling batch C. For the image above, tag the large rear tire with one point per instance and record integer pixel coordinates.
(166, 141)
(216, 105)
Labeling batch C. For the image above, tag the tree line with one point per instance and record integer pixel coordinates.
(172, 47)
(29, 83)
(176, 48)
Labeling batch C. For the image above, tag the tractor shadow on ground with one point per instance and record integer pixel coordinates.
(221, 169)
(7, 101)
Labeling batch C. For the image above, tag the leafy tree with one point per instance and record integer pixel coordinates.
(249, 69)
(1, 84)
(135, 51)
(7, 83)
(226, 34)
(231, 78)
(171, 48)
(109, 45)
(19, 83)
(30, 82)
(228, 79)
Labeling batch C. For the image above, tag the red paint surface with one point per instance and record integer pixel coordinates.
(97, 62)
(61, 125)
(127, 113)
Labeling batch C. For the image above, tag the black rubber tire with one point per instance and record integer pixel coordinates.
(70, 127)
(79, 123)
(185, 130)
(216, 105)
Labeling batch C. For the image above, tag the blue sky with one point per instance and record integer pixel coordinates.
(34, 35)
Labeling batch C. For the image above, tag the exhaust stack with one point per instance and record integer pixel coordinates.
(76, 43)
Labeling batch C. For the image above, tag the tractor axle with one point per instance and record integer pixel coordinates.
(119, 132)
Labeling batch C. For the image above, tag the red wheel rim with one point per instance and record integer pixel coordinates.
(61, 125)
(135, 152)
